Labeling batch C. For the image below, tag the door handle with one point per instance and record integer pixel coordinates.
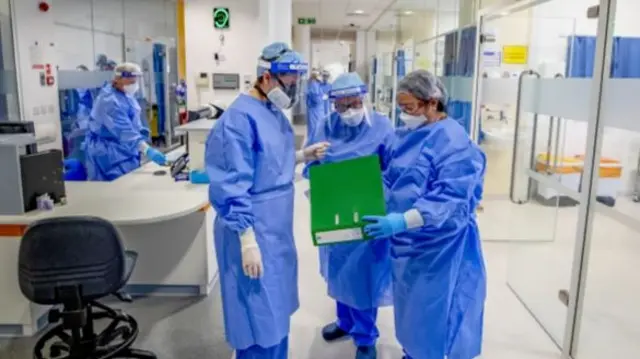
(563, 296)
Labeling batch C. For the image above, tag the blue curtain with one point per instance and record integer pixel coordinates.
(626, 58)
(625, 61)
(159, 54)
(580, 55)
(461, 64)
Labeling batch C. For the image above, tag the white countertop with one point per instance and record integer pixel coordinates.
(203, 125)
(139, 197)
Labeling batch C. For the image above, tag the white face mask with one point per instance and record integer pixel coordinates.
(412, 121)
(352, 117)
(131, 89)
(279, 98)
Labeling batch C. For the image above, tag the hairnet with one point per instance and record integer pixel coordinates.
(347, 85)
(280, 58)
(423, 85)
(127, 70)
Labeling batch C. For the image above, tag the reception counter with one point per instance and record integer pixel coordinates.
(168, 223)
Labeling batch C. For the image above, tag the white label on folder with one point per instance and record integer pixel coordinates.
(340, 235)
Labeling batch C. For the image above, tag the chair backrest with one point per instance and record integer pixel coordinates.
(83, 252)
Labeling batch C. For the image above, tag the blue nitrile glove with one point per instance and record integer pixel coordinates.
(199, 177)
(156, 156)
(384, 226)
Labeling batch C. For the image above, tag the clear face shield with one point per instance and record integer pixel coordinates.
(352, 105)
(132, 86)
(289, 81)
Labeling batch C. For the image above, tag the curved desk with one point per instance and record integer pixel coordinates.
(168, 223)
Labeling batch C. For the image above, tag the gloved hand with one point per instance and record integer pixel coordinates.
(251, 256)
(380, 227)
(156, 156)
(315, 152)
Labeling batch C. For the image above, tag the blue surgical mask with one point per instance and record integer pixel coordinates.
(352, 117)
(412, 121)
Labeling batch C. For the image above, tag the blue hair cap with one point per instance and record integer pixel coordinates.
(279, 58)
(347, 85)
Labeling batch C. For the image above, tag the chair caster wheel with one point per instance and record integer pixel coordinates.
(57, 349)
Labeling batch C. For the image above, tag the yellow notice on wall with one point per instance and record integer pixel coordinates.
(515, 55)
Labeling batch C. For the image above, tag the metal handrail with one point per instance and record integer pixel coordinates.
(516, 136)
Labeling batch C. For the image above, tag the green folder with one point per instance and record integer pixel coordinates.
(341, 193)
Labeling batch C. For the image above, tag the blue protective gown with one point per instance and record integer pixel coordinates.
(81, 124)
(358, 274)
(326, 87)
(439, 274)
(113, 136)
(316, 106)
(250, 160)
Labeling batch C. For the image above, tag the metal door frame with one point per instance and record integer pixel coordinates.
(595, 134)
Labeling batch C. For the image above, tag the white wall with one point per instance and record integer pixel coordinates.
(38, 103)
(242, 47)
(329, 51)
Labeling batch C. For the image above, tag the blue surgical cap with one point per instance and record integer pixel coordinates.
(279, 58)
(423, 85)
(101, 59)
(347, 85)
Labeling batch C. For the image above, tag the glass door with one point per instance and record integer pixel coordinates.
(532, 111)
(522, 51)
(607, 316)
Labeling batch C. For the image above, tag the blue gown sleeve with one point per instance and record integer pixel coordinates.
(385, 151)
(230, 164)
(314, 95)
(458, 174)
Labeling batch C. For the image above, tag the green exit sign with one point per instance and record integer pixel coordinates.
(306, 21)
(221, 17)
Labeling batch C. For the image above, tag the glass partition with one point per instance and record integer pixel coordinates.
(113, 31)
(9, 103)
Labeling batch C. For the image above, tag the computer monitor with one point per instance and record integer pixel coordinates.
(18, 127)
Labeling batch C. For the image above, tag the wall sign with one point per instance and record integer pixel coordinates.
(491, 58)
(306, 21)
(515, 55)
(221, 17)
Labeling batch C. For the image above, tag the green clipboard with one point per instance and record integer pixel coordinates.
(341, 193)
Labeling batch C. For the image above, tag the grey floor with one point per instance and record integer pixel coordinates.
(171, 327)
(192, 328)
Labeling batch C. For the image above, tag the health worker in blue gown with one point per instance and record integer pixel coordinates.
(316, 103)
(434, 182)
(358, 274)
(116, 138)
(250, 158)
(325, 85)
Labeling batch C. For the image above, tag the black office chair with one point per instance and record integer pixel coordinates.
(69, 263)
